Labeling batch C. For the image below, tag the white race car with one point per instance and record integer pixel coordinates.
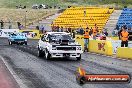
(58, 45)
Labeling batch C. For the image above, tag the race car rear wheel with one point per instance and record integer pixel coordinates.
(47, 55)
(25, 43)
(79, 58)
(40, 53)
(10, 43)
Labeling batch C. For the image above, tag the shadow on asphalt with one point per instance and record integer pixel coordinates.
(61, 59)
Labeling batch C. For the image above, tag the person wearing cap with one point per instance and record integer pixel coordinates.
(124, 37)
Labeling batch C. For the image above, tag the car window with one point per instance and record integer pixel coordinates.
(13, 34)
(43, 38)
(60, 37)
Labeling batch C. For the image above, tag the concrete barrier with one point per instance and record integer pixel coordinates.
(124, 52)
(114, 38)
(101, 47)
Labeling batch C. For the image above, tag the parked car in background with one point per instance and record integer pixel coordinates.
(35, 6)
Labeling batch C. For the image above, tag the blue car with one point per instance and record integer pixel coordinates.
(17, 38)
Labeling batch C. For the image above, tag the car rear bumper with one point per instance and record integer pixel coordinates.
(17, 42)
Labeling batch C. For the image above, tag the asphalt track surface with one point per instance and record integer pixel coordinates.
(59, 73)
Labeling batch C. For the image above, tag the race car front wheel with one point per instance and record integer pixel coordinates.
(47, 55)
(40, 53)
(10, 43)
(79, 58)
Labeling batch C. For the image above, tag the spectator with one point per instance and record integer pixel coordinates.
(105, 32)
(60, 29)
(73, 34)
(53, 28)
(124, 37)
(102, 36)
(57, 28)
(19, 25)
(119, 32)
(80, 30)
(117, 27)
(2, 24)
(20, 7)
(86, 39)
(95, 31)
(10, 25)
(41, 28)
(37, 27)
(108, 12)
(90, 32)
(69, 29)
(129, 29)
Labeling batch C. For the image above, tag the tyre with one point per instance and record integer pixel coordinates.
(47, 54)
(10, 43)
(82, 80)
(40, 53)
(79, 58)
(25, 43)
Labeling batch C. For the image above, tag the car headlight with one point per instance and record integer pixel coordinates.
(78, 48)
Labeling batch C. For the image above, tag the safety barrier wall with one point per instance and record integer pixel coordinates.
(124, 52)
(7, 32)
(80, 40)
(101, 47)
(107, 47)
(97, 46)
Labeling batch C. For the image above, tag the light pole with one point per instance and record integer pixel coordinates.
(25, 18)
(85, 15)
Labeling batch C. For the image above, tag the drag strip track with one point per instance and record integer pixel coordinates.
(59, 73)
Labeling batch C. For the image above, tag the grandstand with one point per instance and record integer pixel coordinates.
(75, 17)
(125, 18)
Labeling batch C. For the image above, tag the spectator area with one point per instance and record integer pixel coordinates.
(75, 17)
(125, 18)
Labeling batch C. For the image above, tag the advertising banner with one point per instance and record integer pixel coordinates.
(6, 32)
